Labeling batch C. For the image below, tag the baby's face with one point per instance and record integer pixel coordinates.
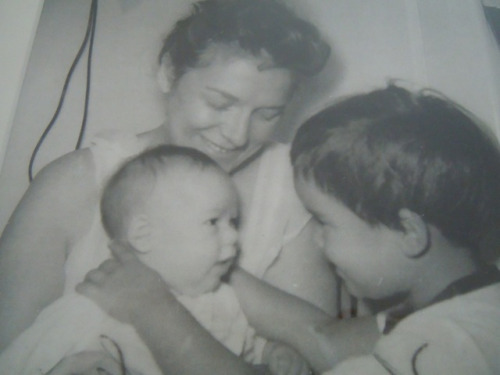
(368, 258)
(193, 216)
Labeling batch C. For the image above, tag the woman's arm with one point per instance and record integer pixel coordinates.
(135, 294)
(33, 246)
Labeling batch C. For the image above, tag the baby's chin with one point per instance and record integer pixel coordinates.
(199, 290)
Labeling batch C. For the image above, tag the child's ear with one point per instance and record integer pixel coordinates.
(416, 233)
(165, 75)
(140, 233)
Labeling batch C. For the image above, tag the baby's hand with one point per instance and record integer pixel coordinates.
(283, 360)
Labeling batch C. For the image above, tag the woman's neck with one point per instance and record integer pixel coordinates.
(155, 137)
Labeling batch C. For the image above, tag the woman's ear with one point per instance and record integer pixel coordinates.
(165, 75)
(140, 233)
(416, 233)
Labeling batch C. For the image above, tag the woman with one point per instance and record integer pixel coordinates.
(228, 71)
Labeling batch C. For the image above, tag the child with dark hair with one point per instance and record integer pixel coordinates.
(405, 187)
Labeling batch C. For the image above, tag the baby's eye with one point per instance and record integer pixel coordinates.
(235, 222)
(213, 221)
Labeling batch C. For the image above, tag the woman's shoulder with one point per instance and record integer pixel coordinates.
(73, 178)
(59, 196)
(74, 169)
(110, 149)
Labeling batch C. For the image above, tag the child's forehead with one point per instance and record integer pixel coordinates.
(311, 195)
(320, 203)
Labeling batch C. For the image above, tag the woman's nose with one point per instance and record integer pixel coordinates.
(236, 128)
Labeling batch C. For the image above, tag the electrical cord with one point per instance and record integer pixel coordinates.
(89, 70)
(89, 36)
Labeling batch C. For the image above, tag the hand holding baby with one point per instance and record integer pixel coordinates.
(122, 286)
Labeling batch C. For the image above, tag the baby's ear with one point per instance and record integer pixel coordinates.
(165, 75)
(140, 233)
(416, 233)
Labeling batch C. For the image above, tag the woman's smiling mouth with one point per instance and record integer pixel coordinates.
(216, 147)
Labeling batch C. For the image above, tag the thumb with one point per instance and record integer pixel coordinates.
(123, 251)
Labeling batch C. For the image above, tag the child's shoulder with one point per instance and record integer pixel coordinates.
(460, 334)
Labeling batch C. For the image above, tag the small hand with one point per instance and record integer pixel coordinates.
(124, 286)
(87, 363)
(283, 360)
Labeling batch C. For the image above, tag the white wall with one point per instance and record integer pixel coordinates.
(439, 43)
(124, 92)
(18, 23)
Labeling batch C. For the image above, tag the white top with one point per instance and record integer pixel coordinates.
(74, 323)
(458, 336)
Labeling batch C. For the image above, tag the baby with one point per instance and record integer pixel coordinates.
(405, 188)
(179, 210)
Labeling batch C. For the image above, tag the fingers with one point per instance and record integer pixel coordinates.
(85, 288)
(90, 362)
(286, 361)
(108, 266)
(96, 277)
(122, 251)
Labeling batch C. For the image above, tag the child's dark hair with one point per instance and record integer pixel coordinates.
(134, 181)
(391, 149)
(253, 25)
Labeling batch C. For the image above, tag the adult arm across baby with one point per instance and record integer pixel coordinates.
(179, 344)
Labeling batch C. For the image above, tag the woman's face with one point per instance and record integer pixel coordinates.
(228, 107)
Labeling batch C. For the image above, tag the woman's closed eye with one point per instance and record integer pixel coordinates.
(218, 101)
(270, 114)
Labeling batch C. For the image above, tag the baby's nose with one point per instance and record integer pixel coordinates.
(228, 251)
(230, 234)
